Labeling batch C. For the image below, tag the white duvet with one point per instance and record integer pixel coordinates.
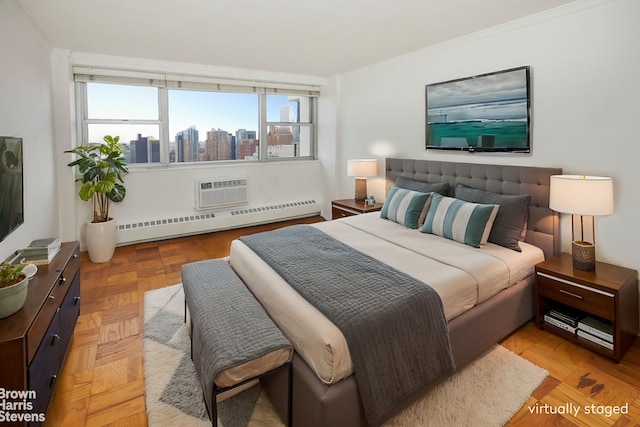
(463, 276)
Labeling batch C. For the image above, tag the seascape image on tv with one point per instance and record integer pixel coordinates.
(11, 192)
(483, 113)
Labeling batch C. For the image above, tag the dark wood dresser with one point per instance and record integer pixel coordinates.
(34, 341)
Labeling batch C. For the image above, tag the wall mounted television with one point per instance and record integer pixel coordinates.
(484, 113)
(11, 185)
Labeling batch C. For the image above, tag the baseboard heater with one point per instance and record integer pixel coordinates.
(197, 223)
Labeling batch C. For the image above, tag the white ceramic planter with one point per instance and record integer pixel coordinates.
(101, 240)
(12, 298)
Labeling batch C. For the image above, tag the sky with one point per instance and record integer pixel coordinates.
(204, 110)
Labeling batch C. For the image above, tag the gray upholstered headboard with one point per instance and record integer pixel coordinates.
(543, 226)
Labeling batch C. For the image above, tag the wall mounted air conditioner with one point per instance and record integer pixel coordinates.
(219, 192)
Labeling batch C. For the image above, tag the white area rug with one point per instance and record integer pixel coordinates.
(487, 392)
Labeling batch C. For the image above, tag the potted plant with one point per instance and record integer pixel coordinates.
(102, 166)
(13, 288)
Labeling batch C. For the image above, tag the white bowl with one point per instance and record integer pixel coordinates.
(30, 270)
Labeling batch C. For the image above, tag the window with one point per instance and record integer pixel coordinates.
(130, 112)
(289, 126)
(166, 121)
(210, 126)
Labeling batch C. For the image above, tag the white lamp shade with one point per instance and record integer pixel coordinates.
(362, 167)
(581, 195)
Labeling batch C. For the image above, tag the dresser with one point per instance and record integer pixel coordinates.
(34, 341)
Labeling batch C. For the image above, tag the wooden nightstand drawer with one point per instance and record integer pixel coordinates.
(337, 213)
(349, 207)
(585, 298)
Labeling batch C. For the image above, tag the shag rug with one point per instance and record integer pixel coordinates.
(488, 392)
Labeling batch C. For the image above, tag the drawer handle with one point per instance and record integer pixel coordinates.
(55, 338)
(61, 280)
(570, 294)
(53, 380)
(76, 300)
(52, 297)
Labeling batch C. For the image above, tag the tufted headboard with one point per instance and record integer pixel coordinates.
(543, 228)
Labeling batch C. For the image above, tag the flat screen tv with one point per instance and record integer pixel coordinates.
(11, 185)
(485, 113)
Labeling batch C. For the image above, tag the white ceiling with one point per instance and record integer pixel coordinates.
(314, 37)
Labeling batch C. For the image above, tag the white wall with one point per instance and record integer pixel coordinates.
(25, 111)
(328, 128)
(171, 191)
(585, 75)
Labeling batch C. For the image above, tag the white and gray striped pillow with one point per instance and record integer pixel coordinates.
(464, 222)
(405, 206)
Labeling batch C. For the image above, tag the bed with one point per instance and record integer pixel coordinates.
(485, 291)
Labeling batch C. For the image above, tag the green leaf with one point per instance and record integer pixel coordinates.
(104, 186)
(91, 175)
(118, 193)
(87, 191)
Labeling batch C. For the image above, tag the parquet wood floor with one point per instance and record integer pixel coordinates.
(102, 381)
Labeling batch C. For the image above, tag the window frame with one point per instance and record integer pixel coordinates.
(165, 82)
(264, 124)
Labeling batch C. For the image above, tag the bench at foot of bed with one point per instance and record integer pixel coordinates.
(233, 340)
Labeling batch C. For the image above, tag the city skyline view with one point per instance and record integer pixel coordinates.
(203, 110)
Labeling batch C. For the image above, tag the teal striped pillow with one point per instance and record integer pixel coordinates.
(464, 222)
(404, 206)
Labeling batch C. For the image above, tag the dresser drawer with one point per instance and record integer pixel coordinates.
(43, 370)
(42, 322)
(585, 298)
(40, 325)
(69, 311)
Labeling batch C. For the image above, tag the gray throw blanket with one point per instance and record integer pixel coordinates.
(394, 324)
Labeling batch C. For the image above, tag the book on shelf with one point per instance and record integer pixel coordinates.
(597, 327)
(568, 315)
(594, 339)
(559, 323)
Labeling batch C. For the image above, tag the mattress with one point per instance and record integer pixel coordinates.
(462, 276)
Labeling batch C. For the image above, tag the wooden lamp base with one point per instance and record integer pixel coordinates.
(361, 189)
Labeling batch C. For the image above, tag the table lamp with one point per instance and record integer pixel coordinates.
(582, 196)
(361, 169)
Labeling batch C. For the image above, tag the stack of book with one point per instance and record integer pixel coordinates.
(41, 251)
(563, 317)
(596, 331)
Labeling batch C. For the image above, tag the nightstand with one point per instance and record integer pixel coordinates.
(348, 207)
(608, 294)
